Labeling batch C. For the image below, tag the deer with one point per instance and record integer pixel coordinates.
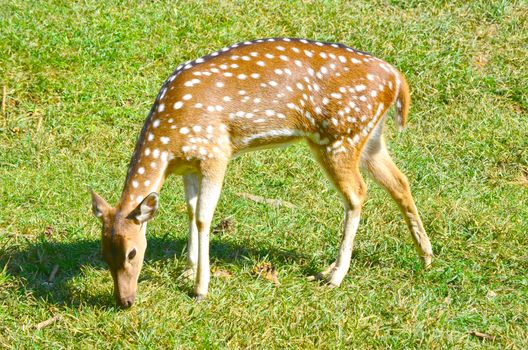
(249, 96)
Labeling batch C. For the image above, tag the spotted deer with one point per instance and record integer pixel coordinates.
(254, 95)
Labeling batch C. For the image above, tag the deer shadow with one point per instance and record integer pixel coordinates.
(33, 265)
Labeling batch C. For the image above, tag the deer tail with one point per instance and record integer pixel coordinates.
(403, 102)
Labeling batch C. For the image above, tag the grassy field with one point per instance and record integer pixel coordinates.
(79, 81)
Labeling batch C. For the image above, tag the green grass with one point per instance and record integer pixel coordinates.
(81, 79)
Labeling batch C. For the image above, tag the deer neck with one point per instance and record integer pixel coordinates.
(146, 174)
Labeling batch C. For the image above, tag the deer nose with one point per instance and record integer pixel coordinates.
(127, 301)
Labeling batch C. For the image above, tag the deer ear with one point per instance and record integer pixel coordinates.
(99, 205)
(146, 210)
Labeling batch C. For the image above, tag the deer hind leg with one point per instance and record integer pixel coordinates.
(212, 177)
(376, 160)
(191, 184)
(343, 170)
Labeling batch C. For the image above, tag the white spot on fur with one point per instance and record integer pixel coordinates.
(360, 87)
(178, 105)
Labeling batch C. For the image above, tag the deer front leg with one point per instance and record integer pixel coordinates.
(210, 188)
(191, 184)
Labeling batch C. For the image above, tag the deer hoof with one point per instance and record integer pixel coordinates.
(427, 261)
(331, 285)
(323, 275)
(200, 298)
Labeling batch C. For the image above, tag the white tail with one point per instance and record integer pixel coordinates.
(260, 94)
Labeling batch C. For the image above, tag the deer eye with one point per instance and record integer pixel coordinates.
(132, 254)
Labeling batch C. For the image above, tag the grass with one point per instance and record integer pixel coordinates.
(80, 79)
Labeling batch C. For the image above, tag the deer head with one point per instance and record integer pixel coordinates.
(124, 242)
